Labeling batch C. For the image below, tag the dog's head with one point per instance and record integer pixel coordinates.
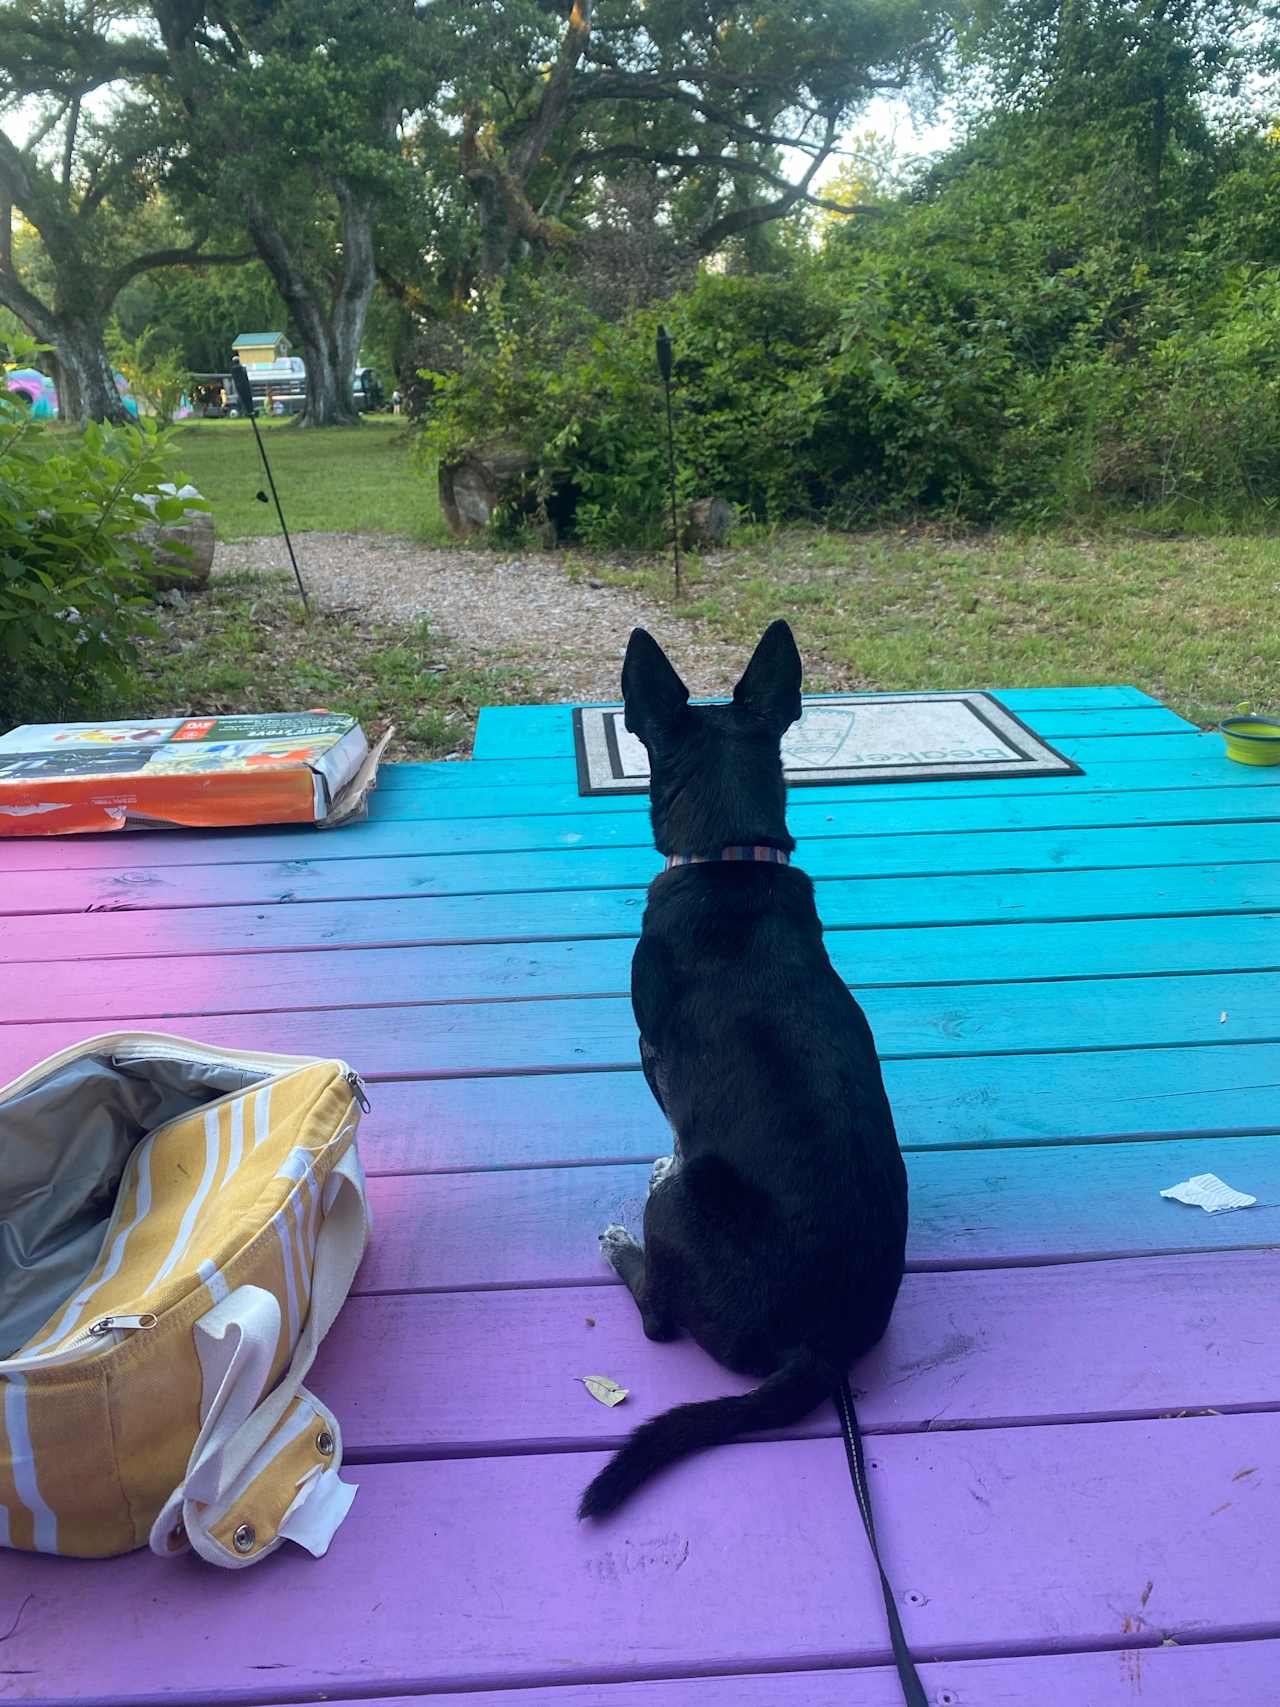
(715, 770)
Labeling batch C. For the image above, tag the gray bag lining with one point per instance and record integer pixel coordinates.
(64, 1145)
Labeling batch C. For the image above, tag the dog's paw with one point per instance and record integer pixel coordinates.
(613, 1240)
(661, 1168)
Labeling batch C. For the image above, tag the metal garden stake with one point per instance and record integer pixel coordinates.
(245, 393)
(664, 368)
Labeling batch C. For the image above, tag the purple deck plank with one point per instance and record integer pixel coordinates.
(414, 1376)
(1209, 1675)
(474, 1573)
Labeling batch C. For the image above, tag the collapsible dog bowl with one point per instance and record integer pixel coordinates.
(1252, 740)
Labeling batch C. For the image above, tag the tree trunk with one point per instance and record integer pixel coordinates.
(85, 378)
(355, 288)
(472, 489)
(330, 339)
(88, 377)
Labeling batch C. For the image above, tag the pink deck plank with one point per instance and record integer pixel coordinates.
(969, 1208)
(1208, 1675)
(529, 1037)
(414, 1376)
(1037, 1539)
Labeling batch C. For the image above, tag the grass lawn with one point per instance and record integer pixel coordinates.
(1194, 621)
(244, 646)
(343, 480)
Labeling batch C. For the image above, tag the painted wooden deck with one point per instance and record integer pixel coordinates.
(1076, 1452)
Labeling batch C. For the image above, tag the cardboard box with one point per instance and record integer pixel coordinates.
(312, 767)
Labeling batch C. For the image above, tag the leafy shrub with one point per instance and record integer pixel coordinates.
(999, 343)
(72, 584)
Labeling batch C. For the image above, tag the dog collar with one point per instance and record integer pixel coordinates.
(758, 856)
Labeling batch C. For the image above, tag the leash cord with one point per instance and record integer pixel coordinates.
(912, 1688)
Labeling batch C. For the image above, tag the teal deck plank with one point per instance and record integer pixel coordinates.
(1184, 744)
(956, 814)
(170, 924)
(558, 1035)
(955, 956)
(542, 731)
(985, 1103)
(428, 798)
(328, 873)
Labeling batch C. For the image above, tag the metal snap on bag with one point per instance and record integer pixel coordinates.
(179, 1227)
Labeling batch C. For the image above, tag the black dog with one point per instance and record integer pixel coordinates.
(775, 1234)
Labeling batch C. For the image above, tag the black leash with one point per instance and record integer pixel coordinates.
(912, 1688)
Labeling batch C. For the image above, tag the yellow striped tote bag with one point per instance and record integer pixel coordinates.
(179, 1227)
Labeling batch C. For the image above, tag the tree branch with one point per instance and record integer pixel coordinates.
(742, 219)
(555, 97)
(718, 162)
(192, 256)
(35, 316)
(625, 87)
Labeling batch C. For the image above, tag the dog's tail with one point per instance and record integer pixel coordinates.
(789, 1394)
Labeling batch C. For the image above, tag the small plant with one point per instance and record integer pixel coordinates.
(73, 580)
(158, 376)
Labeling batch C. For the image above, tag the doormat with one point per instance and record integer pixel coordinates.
(853, 738)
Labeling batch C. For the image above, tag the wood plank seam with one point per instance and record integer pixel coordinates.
(1262, 910)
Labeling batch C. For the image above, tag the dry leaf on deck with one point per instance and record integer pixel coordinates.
(600, 1387)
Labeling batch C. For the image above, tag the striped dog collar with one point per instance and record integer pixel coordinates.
(758, 856)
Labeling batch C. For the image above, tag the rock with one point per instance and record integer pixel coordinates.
(472, 488)
(183, 551)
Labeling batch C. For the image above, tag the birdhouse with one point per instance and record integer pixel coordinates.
(261, 349)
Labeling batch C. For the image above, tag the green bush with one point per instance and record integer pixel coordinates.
(73, 584)
(1001, 343)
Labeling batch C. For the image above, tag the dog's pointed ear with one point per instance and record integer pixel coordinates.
(656, 699)
(770, 685)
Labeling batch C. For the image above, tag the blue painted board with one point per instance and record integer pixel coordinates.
(423, 1125)
(1189, 747)
(872, 812)
(395, 798)
(546, 731)
(955, 955)
(131, 928)
(969, 1208)
(861, 813)
(558, 1034)
(350, 869)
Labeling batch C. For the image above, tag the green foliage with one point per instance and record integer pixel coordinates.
(1001, 342)
(72, 580)
(197, 311)
(156, 373)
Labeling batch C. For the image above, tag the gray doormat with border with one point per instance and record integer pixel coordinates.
(850, 738)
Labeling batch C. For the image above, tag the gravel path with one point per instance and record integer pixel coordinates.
(566, 635)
